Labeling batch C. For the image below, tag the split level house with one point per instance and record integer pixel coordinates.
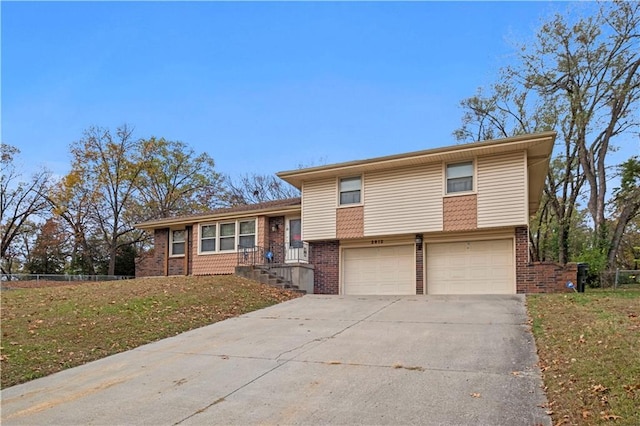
(450, 220)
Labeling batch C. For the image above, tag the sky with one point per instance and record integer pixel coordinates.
(260, 86)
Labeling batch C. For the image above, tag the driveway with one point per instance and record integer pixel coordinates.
(440, 360)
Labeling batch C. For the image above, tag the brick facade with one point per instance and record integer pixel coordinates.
(276, 238)
(350, 222)
(420, 269)
(540, 277)
(325, 257)
(460, 213)
(153, 264)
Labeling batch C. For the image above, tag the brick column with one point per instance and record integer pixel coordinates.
(325, 257)
(523, 279)
(420, 268)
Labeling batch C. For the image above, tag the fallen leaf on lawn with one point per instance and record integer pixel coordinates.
(598, 388)
(475, 395)
(631, 389)
(608, 416)
(586, 414)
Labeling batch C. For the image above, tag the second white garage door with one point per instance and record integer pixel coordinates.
(473, 267)
(379, 270)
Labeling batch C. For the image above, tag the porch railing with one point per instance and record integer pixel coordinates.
(274, 254)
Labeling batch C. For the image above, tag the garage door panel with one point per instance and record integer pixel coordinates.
(474, 267)
(379, 270)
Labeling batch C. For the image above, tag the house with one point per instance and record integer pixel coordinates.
(451, 220)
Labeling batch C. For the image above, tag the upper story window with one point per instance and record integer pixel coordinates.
(460, 177)
(177, 242)
(227, 236)
(350, 189)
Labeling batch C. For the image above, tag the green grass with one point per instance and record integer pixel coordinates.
(45, 330)
(589, 349)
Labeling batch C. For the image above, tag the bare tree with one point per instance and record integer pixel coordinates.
(20, 201)
(256, 188)
(108, 168)
(580, 76)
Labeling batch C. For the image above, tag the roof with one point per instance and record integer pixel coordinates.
(267, 208)
(538, 147)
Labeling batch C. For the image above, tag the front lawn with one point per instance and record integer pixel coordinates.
(45, 330)
(589, 349)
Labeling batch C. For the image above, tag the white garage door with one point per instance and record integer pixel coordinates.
(473, 267)
(379, 270)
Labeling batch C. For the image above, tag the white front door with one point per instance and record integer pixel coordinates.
(294, 247)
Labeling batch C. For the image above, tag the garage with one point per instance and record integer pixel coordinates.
(471, 267)
(379, 270)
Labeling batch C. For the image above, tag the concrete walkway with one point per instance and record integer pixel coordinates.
(434, 360)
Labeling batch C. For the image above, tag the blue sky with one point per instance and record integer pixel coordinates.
(261, 87)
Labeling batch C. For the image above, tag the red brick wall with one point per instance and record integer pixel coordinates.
(419, 269)
(540, 277)
(325, 257)
(176, 265)
(276, 238)
(152, 264)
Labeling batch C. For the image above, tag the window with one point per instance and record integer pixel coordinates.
(350, 190)
(208, 238)
(459, 177)
(177, 242)
(247, 236)
(227, 236)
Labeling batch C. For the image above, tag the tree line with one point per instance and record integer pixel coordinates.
(84, 222)
(579, 76)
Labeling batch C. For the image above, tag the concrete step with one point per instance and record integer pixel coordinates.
(267, 277)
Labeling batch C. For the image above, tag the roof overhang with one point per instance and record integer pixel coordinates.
(538, 147)
(176, 222)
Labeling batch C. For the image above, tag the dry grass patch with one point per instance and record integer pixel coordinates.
(45, 330)
(589, 349)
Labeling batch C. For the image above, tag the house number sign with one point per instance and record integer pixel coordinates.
(377, 241)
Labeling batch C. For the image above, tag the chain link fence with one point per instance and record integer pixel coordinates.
(37, 280)
(620, 278)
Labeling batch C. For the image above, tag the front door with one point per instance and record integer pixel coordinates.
(293, 244)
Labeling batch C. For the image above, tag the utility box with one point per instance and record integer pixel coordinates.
(583, 269)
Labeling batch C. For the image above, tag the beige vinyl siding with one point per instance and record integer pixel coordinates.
(319, 199)
(501, 190)
(403, 201)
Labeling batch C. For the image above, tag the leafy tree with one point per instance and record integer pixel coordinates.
(106, 169)
(49, 254)
(581, 77)
(626, 203)
(20, 201)
(73, 202)
(256, 188)
(176, 181)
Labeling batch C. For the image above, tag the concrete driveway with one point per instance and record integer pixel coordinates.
(441, 360)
